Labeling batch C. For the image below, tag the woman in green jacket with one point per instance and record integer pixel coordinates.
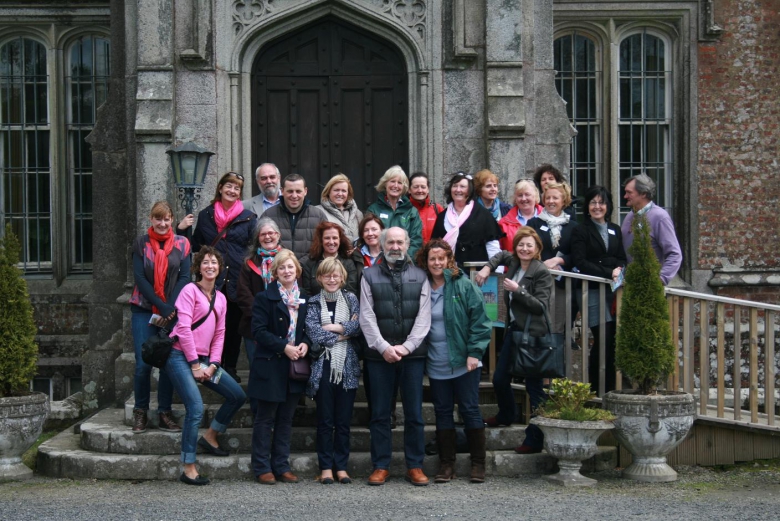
(457, 340)
(394, 208)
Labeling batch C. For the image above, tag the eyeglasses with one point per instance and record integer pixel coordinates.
(267, 234)
(464, 174)
(331, 276)
(597, 203)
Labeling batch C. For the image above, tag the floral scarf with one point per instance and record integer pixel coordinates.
(266, 259)
(555, 224)
(291, 300)
(160, 260)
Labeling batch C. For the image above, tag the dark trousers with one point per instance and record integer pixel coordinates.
(232, 337)
(271, 452)
(534, 437)
(502, 383)
(465, 390)
(334, 414)
(594, 358)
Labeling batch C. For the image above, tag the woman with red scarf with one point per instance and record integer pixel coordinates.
(161, 267)
(228, 227)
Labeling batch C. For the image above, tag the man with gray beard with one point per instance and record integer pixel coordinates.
(267, 177)
(395, 305)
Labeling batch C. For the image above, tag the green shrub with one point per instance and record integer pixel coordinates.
(644, 351)
(567, 400)
(18, 350)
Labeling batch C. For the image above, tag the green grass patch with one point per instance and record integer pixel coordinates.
(29, 457)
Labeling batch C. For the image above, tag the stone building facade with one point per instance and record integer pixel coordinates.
(680, 89)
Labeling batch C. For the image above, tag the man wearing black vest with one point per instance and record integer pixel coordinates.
(395, 316)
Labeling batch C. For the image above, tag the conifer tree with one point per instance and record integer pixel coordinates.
(644, 351)
(18, 350)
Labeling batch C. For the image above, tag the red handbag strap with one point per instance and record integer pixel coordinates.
(254, 267)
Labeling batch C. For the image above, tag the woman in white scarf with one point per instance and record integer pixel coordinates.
(555, 228)
(332, 324)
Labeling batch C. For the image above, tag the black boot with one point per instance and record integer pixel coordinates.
(445, 439)
(476, 439)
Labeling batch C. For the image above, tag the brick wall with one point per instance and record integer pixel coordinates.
(739, 136)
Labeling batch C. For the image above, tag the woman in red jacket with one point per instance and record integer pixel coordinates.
(419, 190)
(526, 207)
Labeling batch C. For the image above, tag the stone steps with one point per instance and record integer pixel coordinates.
(106, 432)
(63, 456)
(305, 415)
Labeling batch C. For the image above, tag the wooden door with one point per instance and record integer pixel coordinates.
(330, 99)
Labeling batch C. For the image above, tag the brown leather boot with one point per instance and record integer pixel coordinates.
(139, 421)
(445, 440)
(476, 440)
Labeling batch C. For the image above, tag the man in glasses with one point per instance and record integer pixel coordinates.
(267, 177)
(296, 217)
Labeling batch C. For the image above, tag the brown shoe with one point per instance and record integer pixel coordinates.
(446, 444)
(378, 477)
(266, 479)
(417, 478)
(167, 423)
(139, 421)
(288, 477)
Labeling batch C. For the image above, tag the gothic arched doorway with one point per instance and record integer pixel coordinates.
(330, 98)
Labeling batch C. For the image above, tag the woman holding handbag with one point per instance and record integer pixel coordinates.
(228, 227)
(332, 324)
(527, 288)
(195, 358)
(161, 267)
(275, 387)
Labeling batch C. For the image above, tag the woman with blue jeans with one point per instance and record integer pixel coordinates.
(161, 268)
(195, 358)
(527, 288)
(457, 340)
(332, 324)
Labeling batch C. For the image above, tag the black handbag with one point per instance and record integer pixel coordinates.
(157, 348)
(300, 370)
(537, 357)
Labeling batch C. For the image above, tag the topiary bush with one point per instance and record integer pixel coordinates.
(644, 351)
(18, 350)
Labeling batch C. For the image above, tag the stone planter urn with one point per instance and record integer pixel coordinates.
(649, 427)
(21, 422)
(572, 442)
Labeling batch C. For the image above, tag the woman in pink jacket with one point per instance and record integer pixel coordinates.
(195, 358)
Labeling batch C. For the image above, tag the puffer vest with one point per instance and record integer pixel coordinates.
(396, 294)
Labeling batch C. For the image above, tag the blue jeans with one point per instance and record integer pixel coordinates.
(142, 382)
(409, 372)
(464, 389)
(334, 414)
(502, 382)
(179, 371)
(271, 452)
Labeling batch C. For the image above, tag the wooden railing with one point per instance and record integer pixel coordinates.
(700, 324)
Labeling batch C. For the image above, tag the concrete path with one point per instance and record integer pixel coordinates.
(743, 494)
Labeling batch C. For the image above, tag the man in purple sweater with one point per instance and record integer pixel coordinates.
(639, 193)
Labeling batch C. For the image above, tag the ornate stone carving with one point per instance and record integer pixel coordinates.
(247, 12)
(410, 12)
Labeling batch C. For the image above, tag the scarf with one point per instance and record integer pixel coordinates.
(290, 299)
(266, 259)
(456, 221)
(338, 353)
(223, 217)
(346, 218)
(555, 224)
(160, 261)
(495, 208)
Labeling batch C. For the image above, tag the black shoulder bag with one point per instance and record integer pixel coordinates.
(537, 357)
(157, 348)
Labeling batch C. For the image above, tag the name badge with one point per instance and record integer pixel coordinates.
(544, 228)
(611, 232)
(383, 216)
(301, 301)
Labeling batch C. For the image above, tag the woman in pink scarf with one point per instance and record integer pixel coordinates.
(228, 227)
(468, 228)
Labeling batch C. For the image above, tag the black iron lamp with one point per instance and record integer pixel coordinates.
(189, 163)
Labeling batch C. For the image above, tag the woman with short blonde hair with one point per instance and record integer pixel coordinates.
(394, 208)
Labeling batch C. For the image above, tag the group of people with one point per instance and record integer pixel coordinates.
(327, 286)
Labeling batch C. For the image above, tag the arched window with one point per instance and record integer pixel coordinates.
(578, 80)
(645, 112)
(25, 168)
(87, 84)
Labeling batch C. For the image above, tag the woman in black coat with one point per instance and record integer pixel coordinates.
(469, 228)
(226, 226)
(597, 249)
(278, 327)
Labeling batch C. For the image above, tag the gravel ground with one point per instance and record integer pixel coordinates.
(748, 492)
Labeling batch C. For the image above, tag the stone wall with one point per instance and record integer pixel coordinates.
(739, 110)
